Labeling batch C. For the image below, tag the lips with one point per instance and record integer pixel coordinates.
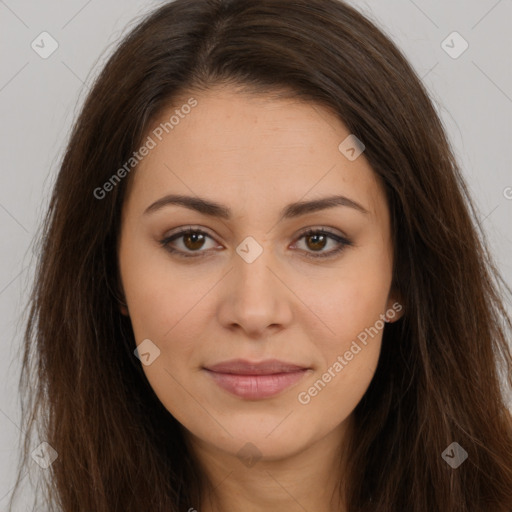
(242, 367)
(256, 380)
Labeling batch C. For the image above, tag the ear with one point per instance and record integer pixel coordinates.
(394, 306)
(124, 309)
(121, 300)
(119, 294)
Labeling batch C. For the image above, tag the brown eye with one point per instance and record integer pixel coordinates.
(316, 242)
(317, 239)
(187, 243)
(193, 241)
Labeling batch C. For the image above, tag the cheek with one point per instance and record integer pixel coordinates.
(352, 309)
(352, 304)
(335, 391)
(166, 307)
(347, 359)
(158, 296)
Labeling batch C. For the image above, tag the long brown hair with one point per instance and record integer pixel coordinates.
(438, 378)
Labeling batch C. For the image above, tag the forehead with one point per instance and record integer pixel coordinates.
(247, 149)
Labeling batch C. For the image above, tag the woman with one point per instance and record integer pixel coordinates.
(261, 286)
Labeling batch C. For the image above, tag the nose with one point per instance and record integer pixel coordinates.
(255, 298)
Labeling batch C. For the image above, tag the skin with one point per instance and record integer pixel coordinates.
(255, 155)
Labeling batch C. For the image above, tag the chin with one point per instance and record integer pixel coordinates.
(264, 439)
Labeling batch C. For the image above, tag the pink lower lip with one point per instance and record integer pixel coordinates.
(256, 386)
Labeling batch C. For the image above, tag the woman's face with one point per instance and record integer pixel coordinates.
(252, 174)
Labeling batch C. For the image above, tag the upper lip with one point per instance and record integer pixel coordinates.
(243, 367)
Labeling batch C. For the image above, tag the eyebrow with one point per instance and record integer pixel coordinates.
(214, 209)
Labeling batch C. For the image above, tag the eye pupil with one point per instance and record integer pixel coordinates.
(316, 244)
(197, 240)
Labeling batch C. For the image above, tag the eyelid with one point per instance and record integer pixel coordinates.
(341, 239)
(165, 242)
(338, 236)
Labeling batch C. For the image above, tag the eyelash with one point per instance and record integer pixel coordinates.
(344, 242)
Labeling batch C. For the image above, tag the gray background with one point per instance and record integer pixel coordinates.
(39, 99)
